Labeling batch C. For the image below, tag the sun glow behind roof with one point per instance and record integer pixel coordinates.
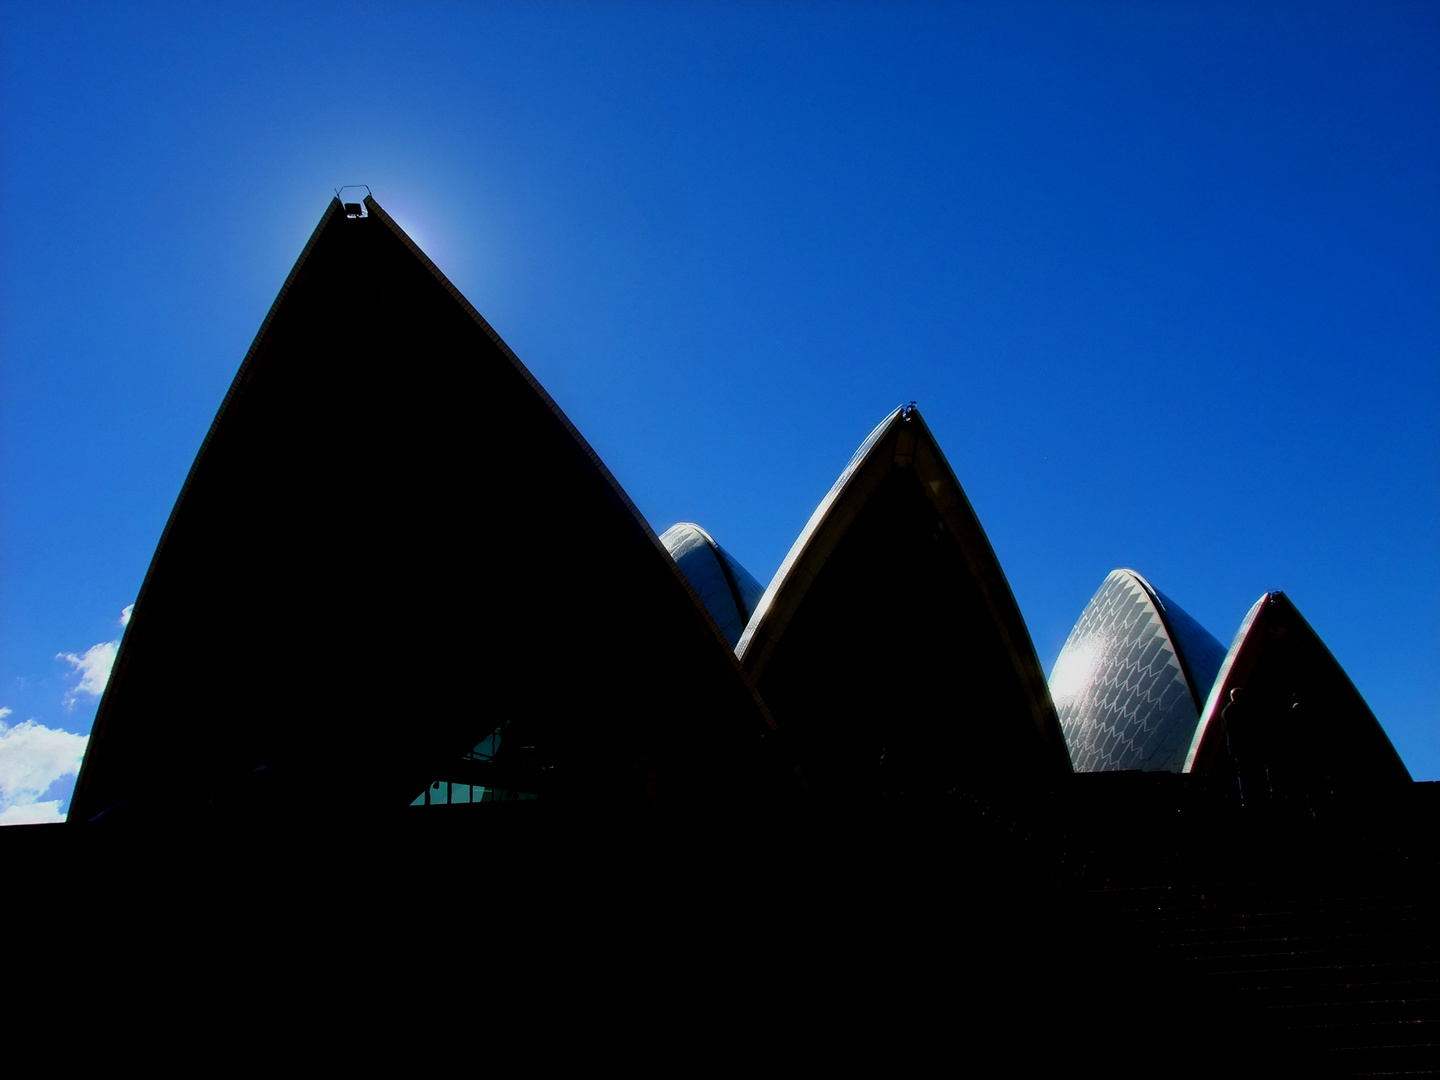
(417, 226)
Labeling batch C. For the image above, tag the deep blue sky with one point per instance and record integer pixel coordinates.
(1164, 279)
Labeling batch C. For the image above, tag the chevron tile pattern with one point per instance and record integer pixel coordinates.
(1122, 697)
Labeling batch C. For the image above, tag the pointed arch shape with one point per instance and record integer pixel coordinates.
(371, 564)
(1277, 659)
(821, 646)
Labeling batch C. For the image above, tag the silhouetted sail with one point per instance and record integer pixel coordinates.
(1131, 680)
(725, 587)
(1300, 727)
(889, 646)
(393, 551)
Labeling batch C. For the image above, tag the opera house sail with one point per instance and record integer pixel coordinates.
(889, 646)
(1132, 678)
(394, 564)
(726, 588)
(1284, 719)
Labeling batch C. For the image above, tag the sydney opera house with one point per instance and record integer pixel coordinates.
(386, 488)
(386, 479)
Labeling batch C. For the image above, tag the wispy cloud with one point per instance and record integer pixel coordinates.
(32, 758)
(94, 664)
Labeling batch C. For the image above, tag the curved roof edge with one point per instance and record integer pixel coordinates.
(94, 746)
(1219, 691)
(704, 532)
(1117, 709)
(616, 491)
(734, 673)
(738, 590)
(1167, 610)
(802, 545)
(1245, 652)
(902, 438)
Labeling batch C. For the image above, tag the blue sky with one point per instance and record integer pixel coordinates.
(1164, 279)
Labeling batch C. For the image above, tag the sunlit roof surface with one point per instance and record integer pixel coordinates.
(1130, 680)
(725, 587)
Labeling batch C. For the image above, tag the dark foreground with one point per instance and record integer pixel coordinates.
(1128, 923)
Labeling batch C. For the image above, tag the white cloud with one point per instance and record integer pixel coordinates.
(32, 757)
(94, 666)
(35, 813)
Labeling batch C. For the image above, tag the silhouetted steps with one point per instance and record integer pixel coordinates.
(1389, 1059)
(1321, 932)
(1300, 1002)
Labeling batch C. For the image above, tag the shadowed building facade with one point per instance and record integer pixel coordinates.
(889, 646)
(1132, 678)
(368, 582)
(1299, 726)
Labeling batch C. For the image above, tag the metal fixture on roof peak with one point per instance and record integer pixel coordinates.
(353, 209)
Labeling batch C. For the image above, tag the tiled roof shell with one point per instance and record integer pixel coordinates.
(1130, 680)
(726, 588)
